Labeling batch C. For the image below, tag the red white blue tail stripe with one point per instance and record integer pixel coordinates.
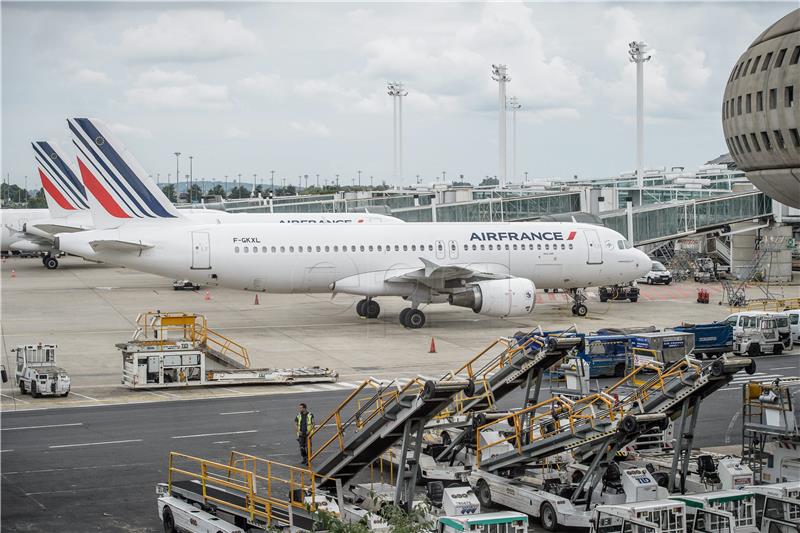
(113, 176)
(60, 183)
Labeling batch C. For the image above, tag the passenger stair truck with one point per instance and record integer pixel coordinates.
(771, 429)
(37, 372)
(516, 453)
(180, 350)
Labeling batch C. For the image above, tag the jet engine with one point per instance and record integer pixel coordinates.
(500, 297)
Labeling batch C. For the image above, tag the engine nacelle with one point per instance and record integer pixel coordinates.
(499, 297)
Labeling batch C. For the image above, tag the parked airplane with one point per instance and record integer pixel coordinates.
(493, 269)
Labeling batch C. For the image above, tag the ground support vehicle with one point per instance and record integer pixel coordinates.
(706, 471)
(710, 340)
(749, 320)
(659, 516)
(185, 285)
(758, 337)
(171, 350)
(37, 372)
(771, 430)
(794, 324)
(619, 292)
(658, 274)
(739, 503)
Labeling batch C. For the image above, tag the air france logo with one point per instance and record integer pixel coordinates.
(521, 236)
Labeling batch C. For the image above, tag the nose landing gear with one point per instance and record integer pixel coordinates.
(578, 297)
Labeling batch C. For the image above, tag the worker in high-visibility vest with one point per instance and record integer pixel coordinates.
(304, 424)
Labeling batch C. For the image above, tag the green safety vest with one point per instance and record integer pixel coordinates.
(309, 422)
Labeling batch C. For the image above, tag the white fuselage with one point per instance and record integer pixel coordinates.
(12, 233)
(359, 259)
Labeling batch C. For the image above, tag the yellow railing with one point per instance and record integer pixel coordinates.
(161, 329)
(775, 305)
(480, 374)
(558, 414)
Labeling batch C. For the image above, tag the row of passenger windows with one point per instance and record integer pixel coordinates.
(388, 248)
(739, 144)
(751, 65)
(734, 107)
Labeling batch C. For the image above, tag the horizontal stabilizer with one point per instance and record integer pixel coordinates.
(52, 229)
(118, 246)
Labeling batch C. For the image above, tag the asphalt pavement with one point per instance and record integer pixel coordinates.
(95, 468)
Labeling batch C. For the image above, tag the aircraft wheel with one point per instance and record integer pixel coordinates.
(403, 315)
(371, 309)
(50, 262)
(574, 310)
(361, 307)
(581, 310)
(415, 319)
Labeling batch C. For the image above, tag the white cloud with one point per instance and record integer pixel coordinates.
(311, 128)
(260, 83)
(233, 132)
(159, 89)
(89, 76)
(130, 131)
(189, 35)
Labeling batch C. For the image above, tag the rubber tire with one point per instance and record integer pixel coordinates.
(574, 310)
(603, 299)
(634, 300)
(547, 517)
(51, 263)
(169, 521)
(649, 281)
(581, 310)
(22, 388)
(483, 493)
(403, 315)
(34, 390)
(754, 350)
(65, 394)
(415, 319)
(668, 282)
(546, 291)
(777, 349)
(360, 308)
(372, 309)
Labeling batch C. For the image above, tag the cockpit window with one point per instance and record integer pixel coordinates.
(621, 245)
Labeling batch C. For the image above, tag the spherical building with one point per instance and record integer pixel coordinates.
(761, 111)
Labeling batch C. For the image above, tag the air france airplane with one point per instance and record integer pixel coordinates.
(493, 269)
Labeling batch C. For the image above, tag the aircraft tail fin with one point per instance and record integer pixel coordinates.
(119, 189)
(63, 190)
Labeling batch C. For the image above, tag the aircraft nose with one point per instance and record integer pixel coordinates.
(642, 261)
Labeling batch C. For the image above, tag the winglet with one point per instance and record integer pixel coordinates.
(63, 190)
(120, 189)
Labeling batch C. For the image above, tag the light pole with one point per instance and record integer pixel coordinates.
(513, 105)
(225, 190)
(191, 178)
(444, 174)
(337, 181)
(317, 181)
(253, 194)
(526, 176)
(500, 75)
(370, 183)
(397, 91)
(272, 181)
(177, 172)
(27, 199)
(638, 54)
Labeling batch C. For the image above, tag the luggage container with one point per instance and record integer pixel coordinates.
(671, 346)
(712, 339)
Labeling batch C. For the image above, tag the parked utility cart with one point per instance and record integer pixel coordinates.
(37, 372)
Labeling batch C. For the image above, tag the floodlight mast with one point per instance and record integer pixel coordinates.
(638, 54)
(500, 75)
(397, 91)
(514, 105)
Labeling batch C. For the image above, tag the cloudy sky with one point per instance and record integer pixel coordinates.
(301, 88)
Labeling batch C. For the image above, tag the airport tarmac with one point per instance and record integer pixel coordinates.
(92, 463)
(86, 308)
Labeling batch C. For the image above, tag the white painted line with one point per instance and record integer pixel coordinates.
(84, 396)
(329, 386)
(6, 451)
(231, 390)
(215, 434)
(156, 394)
(95, 443)
(730, 427)
(796, 367)
(12, 398)
(44, 427)
(221, 442)
(240, 412)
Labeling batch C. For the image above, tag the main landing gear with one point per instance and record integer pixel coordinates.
(412, 318)
(578, 297)
(368, 308)
(50, 262)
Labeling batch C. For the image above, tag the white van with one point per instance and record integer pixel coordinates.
(749, 319)
(658, 274)
(794, 324)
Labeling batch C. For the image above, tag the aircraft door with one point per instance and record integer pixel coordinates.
(440, 251)
(593, 247)
(201, 250)
(453, 247)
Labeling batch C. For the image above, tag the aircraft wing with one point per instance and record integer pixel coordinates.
(52, 229)
(435, 275)
(28, 236)
(118, 246)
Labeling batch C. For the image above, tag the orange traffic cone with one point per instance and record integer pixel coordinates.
(207, 297)
(256, 302)
(13, 273)
(433, 346)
